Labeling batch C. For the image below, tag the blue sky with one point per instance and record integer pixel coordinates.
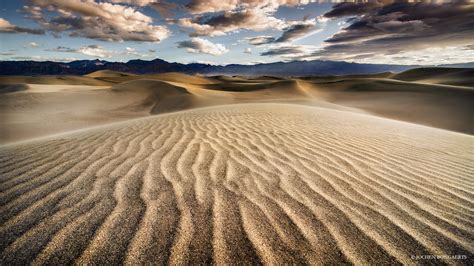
(226, 31)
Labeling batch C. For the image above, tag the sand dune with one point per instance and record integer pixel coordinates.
(119, 77)
(169, 168)
(109, 74)
(247, 183)
(441, 106)
(54, 80)
(449, 76)
(160, 96)
(36, 108)
(39, 110)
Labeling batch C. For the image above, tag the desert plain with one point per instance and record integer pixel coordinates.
(117, 168)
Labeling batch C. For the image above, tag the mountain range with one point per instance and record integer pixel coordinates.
(281, 69)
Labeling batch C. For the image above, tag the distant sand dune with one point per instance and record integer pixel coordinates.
(449, 76)
(54, 80)
(33, 107)
(248, 183)
(441, 106)
(108, 74)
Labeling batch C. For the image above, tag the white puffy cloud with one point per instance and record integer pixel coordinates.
(220, 17)
(95, 50)
(96, 20)
(232, 21)
(91, 50)
(33, 45)
(205, 6)
(99, 51)
(199, 45)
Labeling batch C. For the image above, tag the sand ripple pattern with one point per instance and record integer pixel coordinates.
(253, 184)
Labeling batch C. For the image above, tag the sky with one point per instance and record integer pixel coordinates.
(238, 31)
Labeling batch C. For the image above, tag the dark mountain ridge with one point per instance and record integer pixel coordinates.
(281, 69)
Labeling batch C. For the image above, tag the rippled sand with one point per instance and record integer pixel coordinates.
(248, 183)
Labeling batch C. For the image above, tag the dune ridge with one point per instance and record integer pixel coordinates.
(250, 183)
(32, 107)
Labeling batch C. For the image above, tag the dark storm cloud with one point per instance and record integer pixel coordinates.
(285, 51)
(395, 27)
(408, 26)
(296, 31)
(259, 40)
(351, 9)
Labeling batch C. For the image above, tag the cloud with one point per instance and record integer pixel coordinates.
(32, 45)
(134, 2)
(385, 30)
(204, 62)
(198, 45)
(206, 6)
(99, 51)
(166, 8)
(42, 58)
(62, 49)
(220, 17)
(289, 52)
(300, 29)
(95, 50)
(351, 9)
(469, 47)
(135, 52)
(7, 27)
(294, 31)
(259, 40)
(231, 21)
(248, 50)
(91, 50)
(102, 20)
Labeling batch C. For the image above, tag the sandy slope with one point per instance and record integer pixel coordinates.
(32, 107)
(39, 110)
(249, 183)
(450, 76)
(34, 110)
(442, 106)
(54, 80)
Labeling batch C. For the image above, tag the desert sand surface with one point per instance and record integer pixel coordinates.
(177, 169)
(33, 107)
